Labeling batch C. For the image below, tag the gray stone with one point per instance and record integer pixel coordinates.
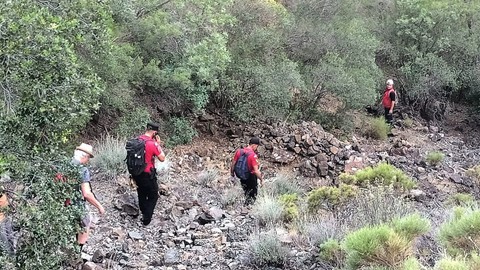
(90, 266)
(216, 213)
(418, 195)
(98, 256)
(127, 203)
(135, 235)
(171, 256)
(282, 156)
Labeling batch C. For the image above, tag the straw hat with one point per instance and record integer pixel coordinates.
(87, 148)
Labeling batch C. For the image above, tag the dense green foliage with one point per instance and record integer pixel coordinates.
(253, 58)
(384, 245)
(381, 174)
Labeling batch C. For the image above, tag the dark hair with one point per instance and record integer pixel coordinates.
(254, 140)
(152, 126)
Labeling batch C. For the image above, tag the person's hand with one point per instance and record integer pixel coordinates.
(158, 140)
(101, 210)
(391, 111)
(261, 183)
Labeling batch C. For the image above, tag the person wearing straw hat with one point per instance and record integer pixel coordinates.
(81, 157)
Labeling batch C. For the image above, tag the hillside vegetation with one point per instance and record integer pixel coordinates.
(113, 65)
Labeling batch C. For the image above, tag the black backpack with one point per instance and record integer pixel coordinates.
(135, 156)
(241, 166)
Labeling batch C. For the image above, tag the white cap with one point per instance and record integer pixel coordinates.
(389, 82)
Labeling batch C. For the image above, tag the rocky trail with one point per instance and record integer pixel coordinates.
(200, 222)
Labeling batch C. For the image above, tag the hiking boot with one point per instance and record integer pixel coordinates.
(146, 221)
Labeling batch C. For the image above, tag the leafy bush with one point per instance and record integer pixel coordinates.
(329, 197)
(266, 249)
(382, 174)
(373, 206)
(377, 128)
(49, 92)
(407, 122)
(462, 199)
(384, 245)
(435, 158)
(207, 177)
(267, 210)
(180, 131)
(284, 184)
(412, 264)
(461, 234)
(333, 121)
(474, 172)
(231, 196)
(47, 227)
(317, 230)
(133, 123)
(290, 208)
(410, 226)
(332, 252)
(452, 264)
(110, 156)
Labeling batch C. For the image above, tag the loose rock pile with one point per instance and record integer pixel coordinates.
(306, 146)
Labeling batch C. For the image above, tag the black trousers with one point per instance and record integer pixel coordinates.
(250, 188)
(388, 116)
(147, 189)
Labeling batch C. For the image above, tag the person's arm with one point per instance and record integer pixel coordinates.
(257, 172)
(89, 197)
(234, 161)
(160, 155)
(393, 97)
(232, 168)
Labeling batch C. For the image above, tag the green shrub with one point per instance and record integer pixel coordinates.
(318, 229)
(267, 210)
(407, 122)
(474, 172)
(180, 131)
(266, 249)
(412, 264)
(332, 252)
(452, 264)
(290, 207)
(373, 206)
(382, 174)
(333, 121)
(410, 226)
(461, 199)
(474, 260)
(46, 225)
(461, 234)
(377, 128)
(435, 158)
(110, 156)
(231, 196)
(284, 184)
(329, 197)
(132, 123)
(384, 245)
(207, 177)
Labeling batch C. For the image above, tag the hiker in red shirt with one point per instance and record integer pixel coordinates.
(147, 186)
(249, 179)
(388, 101)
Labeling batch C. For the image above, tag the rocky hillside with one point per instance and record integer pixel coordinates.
(200, 222)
